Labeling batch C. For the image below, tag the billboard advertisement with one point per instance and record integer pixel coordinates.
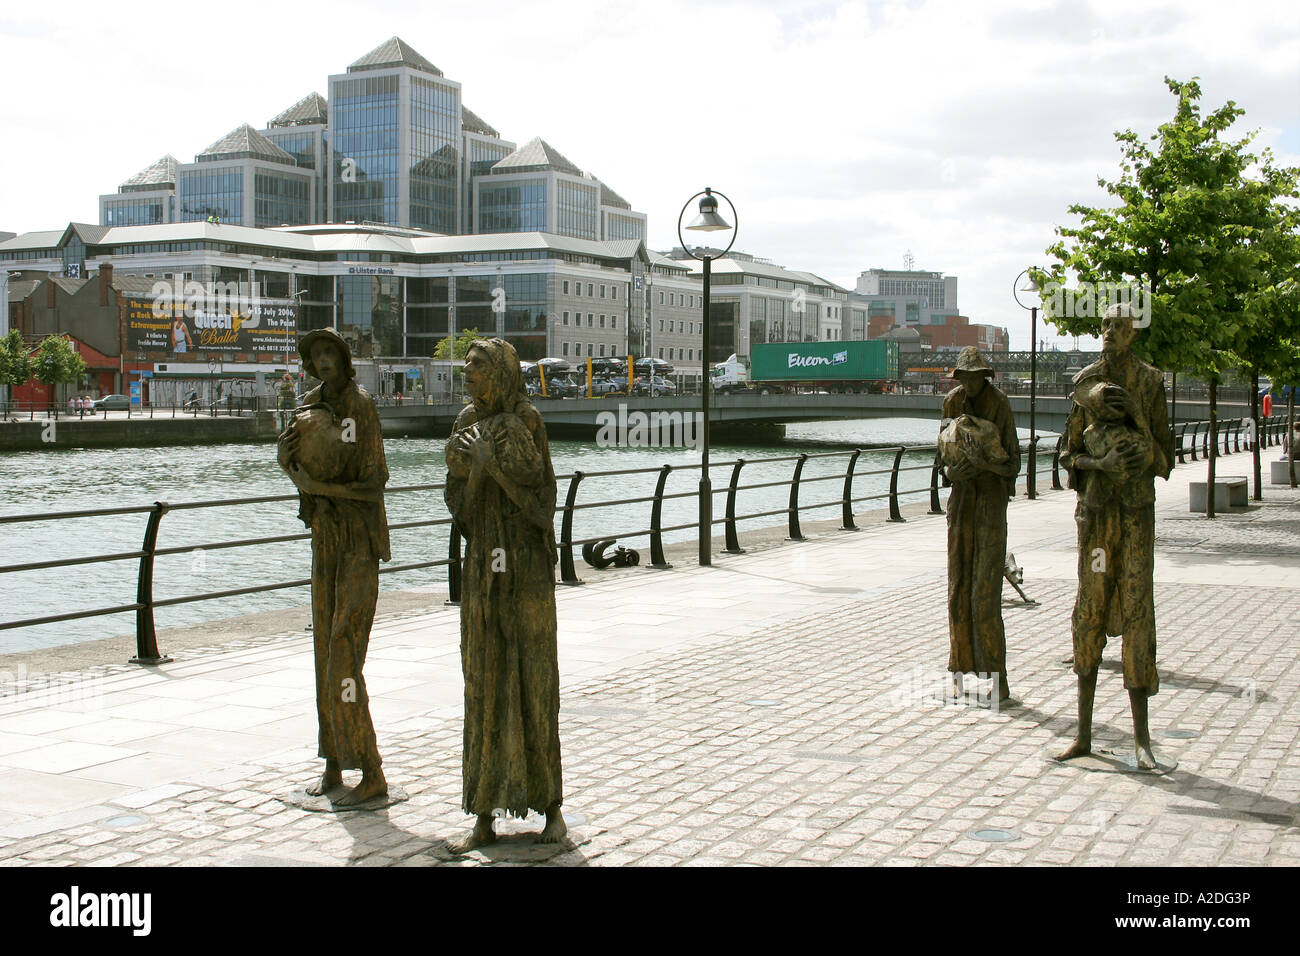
(209, 318)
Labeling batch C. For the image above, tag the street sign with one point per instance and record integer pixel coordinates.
(135, 393)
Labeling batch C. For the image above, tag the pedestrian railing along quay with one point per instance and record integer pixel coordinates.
(34, 411)
(1233, 434)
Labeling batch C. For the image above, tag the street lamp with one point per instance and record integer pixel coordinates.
(291, 320)
(1030, 286)
(708, 220)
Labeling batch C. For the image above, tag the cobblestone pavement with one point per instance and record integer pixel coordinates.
(820, 737)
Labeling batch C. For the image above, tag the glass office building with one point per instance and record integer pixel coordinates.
(301, 132)
(146, 199)
(392, 143)
(245, 179)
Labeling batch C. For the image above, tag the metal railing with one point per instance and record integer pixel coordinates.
(1186, 438)
(32, 411)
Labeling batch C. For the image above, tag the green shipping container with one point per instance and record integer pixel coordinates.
(825, 361)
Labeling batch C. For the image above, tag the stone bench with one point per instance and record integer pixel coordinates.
(1229, 492)
(1280, 475)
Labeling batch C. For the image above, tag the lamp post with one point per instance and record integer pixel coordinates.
(1030, 286)
(708, 220)
(291, 321)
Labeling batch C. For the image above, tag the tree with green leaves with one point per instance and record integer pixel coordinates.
(55, 361)
(15, 360)
(460, 345)
(1189, 237)
(458, 349)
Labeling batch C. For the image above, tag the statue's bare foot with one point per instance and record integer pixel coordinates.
(372, 785)
(331, 779)
(481, 835)
(1080, 748)
(1145, 759)
(555, 828)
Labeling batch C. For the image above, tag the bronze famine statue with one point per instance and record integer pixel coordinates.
(501, 491)
(334, 453)
(980, 451)
(1117, 440)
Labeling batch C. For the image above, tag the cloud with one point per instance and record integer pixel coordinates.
(846, 133)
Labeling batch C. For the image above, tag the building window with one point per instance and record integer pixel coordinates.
(566, 286)
(613, 321)
(588, 288)
(564, 348)
(613, 292)
(602, 291)
(590, 320)
(661, 298)
(661, 328)
(602, 320)
(602, 349)
(577, 288)
(661, 353)
(566, 318)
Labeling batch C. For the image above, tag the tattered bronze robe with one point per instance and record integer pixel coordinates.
(1116, 522)
(507, 617)
(348, 540)
(977, 543)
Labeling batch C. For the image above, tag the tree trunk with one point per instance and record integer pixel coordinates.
(1254, 432)
(1290, 435)
(1214, 447)
(1173, 410)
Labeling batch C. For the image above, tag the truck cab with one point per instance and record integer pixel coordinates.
(730, 376)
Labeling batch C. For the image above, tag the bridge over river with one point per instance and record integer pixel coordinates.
(579, 416)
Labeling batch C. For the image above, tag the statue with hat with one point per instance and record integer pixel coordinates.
(980, 453)
(334, 452)
(1117, 439)
(501, 491)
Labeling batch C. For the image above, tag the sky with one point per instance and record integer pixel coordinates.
(846, 134)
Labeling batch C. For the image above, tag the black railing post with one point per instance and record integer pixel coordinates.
(1205, 440)
(733, 540)
(146, 638)
(795, 533)
(453, 565)
(894, 513)
(567, 573)
(1031, 471)
(1056, 464)
(657, 560)
(1236, 436)
(1227, 437)
(1178, 447)
(936, 507)
(846, 522)
(1196, 426)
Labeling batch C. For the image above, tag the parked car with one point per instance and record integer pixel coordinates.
(610, 386)
(112, 403)
(561, 388)
(659, 366)
(655, 386)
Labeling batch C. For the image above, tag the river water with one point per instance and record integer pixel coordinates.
(85, 479)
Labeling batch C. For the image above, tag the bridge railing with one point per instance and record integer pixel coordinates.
(236, 406)
(1234, 435)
